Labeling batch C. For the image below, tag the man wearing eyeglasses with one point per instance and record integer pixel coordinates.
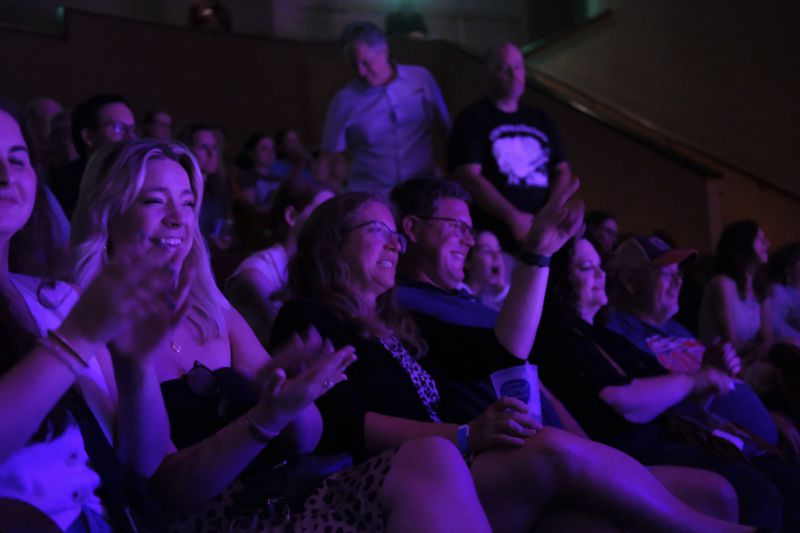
(434, 216)
(646, 281)
(96, 122)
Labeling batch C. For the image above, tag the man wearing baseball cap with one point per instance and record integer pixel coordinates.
(646, 283)
(646, 278)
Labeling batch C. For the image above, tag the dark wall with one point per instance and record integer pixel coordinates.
(251, 84)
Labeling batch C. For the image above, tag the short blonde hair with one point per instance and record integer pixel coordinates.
(112, 182)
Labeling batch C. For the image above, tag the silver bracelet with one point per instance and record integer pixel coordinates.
(258, 432)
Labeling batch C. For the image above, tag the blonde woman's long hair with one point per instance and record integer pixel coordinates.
(111, 184)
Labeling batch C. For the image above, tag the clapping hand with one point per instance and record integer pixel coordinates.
(519, 223)
(297, 353)
(133, 301)
(282, 398)
(560, 219)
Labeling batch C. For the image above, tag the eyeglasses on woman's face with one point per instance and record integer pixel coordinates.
(382, 231)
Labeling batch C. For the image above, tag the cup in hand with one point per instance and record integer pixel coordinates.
(520, 382)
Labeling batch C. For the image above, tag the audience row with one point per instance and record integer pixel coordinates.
(338, 377)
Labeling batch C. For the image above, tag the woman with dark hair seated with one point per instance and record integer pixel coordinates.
(344, 272)
(731, 309)
(622, 396)
(227, 399)
(259, 285)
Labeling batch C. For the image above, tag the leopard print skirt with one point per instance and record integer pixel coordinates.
(346, 502)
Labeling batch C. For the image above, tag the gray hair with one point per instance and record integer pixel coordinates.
(361, 32)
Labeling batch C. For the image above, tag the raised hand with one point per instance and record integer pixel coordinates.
(296, 353)
(283, 399)
(505, 423)
(560, 219)
(133, 302)
(519, 223)
(164, 311)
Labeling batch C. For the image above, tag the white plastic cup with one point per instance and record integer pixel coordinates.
(520, 382)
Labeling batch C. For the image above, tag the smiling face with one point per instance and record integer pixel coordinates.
(162, 215)
(442, 245)
(369, 253)
(371, 63)
(17, 178)
(589, 280)
(660, 288)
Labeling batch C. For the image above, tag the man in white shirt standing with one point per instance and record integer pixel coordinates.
(384, 119)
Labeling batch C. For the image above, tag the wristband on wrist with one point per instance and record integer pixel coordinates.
(534, 259)
(258, 432)
(462, 439)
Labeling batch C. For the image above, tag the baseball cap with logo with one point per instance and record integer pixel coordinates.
(641, 252)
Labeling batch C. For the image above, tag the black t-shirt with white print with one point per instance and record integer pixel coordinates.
(517, 152)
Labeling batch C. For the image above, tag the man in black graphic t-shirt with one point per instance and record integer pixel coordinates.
(505, 153)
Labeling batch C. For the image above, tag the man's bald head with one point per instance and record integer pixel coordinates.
(505, 68)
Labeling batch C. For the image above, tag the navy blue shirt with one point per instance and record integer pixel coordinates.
(448, 317)
(678, 351)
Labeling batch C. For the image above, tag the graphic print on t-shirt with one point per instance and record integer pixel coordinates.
(522, 154)
(680, 355)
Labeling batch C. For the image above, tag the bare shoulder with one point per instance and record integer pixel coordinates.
(722, 288)
(722, 283)
(248, 356)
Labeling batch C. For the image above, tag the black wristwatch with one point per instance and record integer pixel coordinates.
(533, 259)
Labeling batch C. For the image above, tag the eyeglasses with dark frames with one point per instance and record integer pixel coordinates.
(120, 128)
(458, 226)
(376, 227)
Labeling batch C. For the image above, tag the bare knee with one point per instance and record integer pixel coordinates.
(432, 458)
(568, 454)
(722, 499)
(704, 491)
